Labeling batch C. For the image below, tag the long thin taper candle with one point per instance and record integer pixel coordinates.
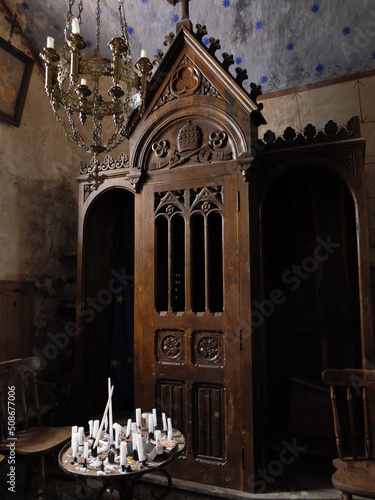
(102, 422)
(110, 430)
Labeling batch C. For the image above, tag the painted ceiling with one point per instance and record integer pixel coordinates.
(281, 43)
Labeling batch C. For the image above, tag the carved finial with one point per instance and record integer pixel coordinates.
(185, 21)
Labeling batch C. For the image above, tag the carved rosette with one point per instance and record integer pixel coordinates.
(208, 348)
(170, 346)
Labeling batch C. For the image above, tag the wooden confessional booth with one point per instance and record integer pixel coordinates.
(183, 208)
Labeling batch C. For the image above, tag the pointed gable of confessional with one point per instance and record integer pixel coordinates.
(196, 111)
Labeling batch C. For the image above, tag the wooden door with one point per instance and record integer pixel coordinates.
(187, 320)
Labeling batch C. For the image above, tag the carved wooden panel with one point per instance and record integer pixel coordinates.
(170, 346)
(170, 400)
(208, 348)
(209, 430)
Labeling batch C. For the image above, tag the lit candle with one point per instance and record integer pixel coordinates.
(138, 417)
(75, 26)
(50, 42)
(155, 417)
(110, 414)
(164, 422)
(86, 450)
(91, 425)
(123, 452)
(83, 81)
(143, 53)
(170, 430)
(128, 427)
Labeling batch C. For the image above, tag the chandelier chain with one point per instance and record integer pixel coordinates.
(124, 31)
(97, 25)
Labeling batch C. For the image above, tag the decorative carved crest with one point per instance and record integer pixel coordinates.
(185, 81)
(190, 146)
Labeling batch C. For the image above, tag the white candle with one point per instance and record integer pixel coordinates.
(75, 444)
(138, 417)
(150, 424)
(110, 414)
(134, 440)
(50, 42)
(143, 53)
(128, 427)
(134, 427)
(117, 428)
(83, 81)
(164, 422)
(106, 423)
(141, 455)
(159, 444)
(75, 26)
(96, 429)
(155, 417)
(81, 435)
(123, 452)
(170, 430)
(74, 431)
(91, 425)
(86, 450)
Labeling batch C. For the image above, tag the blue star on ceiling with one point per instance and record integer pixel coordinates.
(315, 8)
(290, 46)
(346, 30)
(226, 4)
(264, 79)
(176, 18)
(319, 69)
(238, 60)
(259, 24)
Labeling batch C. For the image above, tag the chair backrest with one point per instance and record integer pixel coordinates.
(350, 390)
(19, 399)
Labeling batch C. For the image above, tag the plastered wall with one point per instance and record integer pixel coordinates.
(38, 204)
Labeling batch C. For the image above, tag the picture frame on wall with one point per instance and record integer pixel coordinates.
(15, 73)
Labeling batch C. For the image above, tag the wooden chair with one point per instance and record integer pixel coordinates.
(355, 466)
(22, 412)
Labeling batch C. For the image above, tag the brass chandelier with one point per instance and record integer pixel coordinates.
(106, 90)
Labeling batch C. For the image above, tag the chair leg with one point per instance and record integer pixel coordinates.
(346, 496)
(41, 478)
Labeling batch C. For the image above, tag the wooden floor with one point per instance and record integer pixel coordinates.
(309, 480)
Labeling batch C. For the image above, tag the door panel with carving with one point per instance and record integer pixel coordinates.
(187, 310)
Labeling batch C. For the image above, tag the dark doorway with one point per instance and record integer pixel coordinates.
(310, 304)
(108, 237)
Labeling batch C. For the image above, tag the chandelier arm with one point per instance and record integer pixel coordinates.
(124, 31)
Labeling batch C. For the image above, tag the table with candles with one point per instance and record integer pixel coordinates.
(119, 454)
